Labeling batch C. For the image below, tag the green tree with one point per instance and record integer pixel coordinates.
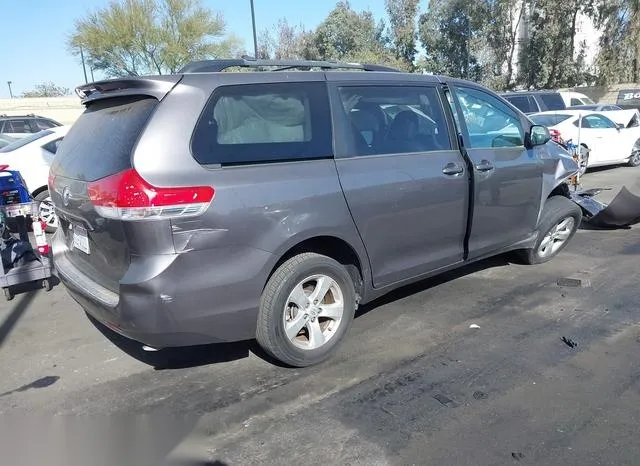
(550, 57)
(504, 21)
(135, 37)
(47, 89)
(617, 60)
(349, 35)
(451, 32)
(284, 42)
(403, 16)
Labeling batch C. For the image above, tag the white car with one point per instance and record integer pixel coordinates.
(607, 142)
(32, 157)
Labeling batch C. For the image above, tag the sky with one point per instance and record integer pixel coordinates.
(36, 32)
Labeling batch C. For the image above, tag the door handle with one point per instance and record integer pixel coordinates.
(453, 169)
(485, 166)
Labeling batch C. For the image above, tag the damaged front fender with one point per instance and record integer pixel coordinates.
(558, 167)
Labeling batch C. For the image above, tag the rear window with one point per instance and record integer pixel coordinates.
(100, 142)
(552, 101)
(264, 123)
(549, 120)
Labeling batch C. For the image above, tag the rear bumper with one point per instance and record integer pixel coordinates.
(193, 298)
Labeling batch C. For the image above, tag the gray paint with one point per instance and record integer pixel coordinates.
(199, 280)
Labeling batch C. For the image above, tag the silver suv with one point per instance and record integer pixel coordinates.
(213, 206)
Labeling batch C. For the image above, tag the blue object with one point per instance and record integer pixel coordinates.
(13, 189)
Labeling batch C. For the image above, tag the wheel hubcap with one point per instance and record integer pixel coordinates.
(556, 237)
(47, 213)
(313, 312)
(635, 157)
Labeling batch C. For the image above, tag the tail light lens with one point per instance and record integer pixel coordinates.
(127, 196)
(50, 181)
(555, 135)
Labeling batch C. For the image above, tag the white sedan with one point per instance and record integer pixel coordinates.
(607, 142)
(32, 157)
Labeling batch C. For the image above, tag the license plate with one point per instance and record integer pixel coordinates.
(17, 210)
(80, 239)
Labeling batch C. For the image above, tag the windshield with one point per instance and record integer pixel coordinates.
(549, 120)
(26, 140)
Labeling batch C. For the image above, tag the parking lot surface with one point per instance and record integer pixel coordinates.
(495, 363)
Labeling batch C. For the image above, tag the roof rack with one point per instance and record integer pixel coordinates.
(214, 66)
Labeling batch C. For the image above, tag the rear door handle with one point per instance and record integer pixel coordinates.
(485, 166)
(453, 169)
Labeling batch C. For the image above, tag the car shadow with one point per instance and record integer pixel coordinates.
(183, 357)
(428, 283)
(203, 355)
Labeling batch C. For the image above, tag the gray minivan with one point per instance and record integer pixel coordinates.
(211, 205)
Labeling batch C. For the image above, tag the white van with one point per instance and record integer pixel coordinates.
(571, 99)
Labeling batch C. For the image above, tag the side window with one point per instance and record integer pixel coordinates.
(598, 122)
(489, 122)
(18, 126)
(394, 119)
(552, 101)
(533, 104)
(575, 101)
(522, 103)
(262, 123)
(52, 146)
(44, 124)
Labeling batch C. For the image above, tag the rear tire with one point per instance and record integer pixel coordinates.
(8, 294)
(47, 211)
(293, 326)
(560, 219)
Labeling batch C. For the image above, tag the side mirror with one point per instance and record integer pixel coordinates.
(620, 126)
(539, 135)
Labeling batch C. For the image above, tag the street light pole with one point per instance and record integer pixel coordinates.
(84, 68)
(255, 38)
(10, 92)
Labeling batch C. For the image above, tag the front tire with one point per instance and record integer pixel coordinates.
(560, 219)
(634, 160)
(306, 309)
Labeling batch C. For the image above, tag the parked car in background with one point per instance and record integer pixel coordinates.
(596, 107)
(530, 102)
(607, 142)
(19, 126)
(212, 206)
(572, 99)
(6, 140)
(535, 101)
(32, 156)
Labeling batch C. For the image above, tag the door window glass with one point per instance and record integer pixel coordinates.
(395, 119)
(598, 122)
(489, 122)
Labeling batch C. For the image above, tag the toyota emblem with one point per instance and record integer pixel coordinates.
(66, 195)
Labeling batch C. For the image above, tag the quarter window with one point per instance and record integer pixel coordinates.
(264, 122)
(490, 123)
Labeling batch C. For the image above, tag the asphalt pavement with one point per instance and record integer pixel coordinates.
(549, 374)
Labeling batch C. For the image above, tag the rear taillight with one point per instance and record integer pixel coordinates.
(52, 178)
(555, 135)
(127, 196)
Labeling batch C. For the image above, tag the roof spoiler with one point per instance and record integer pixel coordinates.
(154, 86)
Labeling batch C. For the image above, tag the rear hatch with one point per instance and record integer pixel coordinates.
(92, 163)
